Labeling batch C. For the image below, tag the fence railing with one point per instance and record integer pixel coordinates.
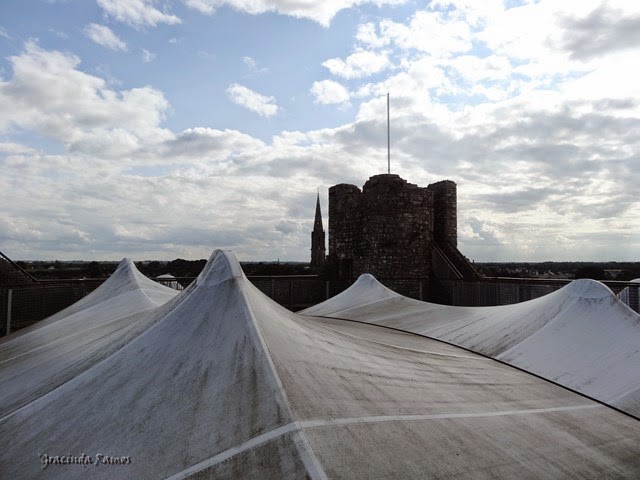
(504, 291)
(24, 304)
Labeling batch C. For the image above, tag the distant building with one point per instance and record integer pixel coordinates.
(396, 231)
(318, 249)
(170, 281)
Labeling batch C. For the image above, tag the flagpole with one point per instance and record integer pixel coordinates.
(388, 139)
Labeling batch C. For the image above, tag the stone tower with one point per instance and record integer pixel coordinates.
(318, 250)
(445, 206)
(397, 231)
(385, 230)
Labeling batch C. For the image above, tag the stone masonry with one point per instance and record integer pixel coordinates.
(389, 228)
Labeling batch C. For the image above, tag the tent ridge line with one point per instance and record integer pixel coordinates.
(298, 427)
(308, 456)
(235, 450)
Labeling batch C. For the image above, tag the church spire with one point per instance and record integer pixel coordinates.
(317, 224)
(317, 241)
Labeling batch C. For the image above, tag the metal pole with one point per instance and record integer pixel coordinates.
(9, 299)
(388, 138)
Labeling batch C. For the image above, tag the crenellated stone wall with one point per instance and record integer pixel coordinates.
(396, 228)
(386, 230)
(393, 230)
(345, 226)
(445, 205)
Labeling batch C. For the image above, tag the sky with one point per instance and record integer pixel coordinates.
(167, 129)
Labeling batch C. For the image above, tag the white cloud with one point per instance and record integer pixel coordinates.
(209, 143)
(542, 143)
(12, 148)
(102, 35)
(429, 32)
(604, 30)
(361, 63)
(203, 6)
(475, 69)
(329, 92)
(49, 95)
(4, 34)
(204, 55)
(472, 11)
(59, 34)
(321, 12)
(137, 13)
(249, 62)
(368, 36)
(147, 56)
(253, 65)
(247, 98)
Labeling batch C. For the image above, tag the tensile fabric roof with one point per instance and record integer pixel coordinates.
(580, 336)
(225, 383)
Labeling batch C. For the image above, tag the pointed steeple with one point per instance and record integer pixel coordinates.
(317, 241)
(317, 224)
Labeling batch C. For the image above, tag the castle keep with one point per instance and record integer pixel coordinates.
(397, 231)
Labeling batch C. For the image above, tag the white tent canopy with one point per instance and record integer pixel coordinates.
(580, 336)
(39, 358)
(228, 384)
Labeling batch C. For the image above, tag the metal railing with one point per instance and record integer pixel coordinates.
(504, 290)
(24, 304)
(11, 272)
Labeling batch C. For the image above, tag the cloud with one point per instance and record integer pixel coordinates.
(603, 30)
(287, 227)
(479, 231)
(59, 33)
(543, 145)
(102, 35)
(204, 55)
(329, 92)
(147, 56)
(320, 12)
(516, 188)
(475, 69)
(368, 36)
(247, 98)
(360, 64)
(13, 148)
(207, 7)
(253, 65)
(429, 32)
(212, 145)
(4, 34)
(516, 201)
(137, 13)
(52, 97)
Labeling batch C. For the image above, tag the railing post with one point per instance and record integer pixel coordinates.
(327, 289)
(290, 294)
(421, 291)
(9, 301)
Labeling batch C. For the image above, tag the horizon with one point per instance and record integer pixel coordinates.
(165, 131)
(306, 262)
